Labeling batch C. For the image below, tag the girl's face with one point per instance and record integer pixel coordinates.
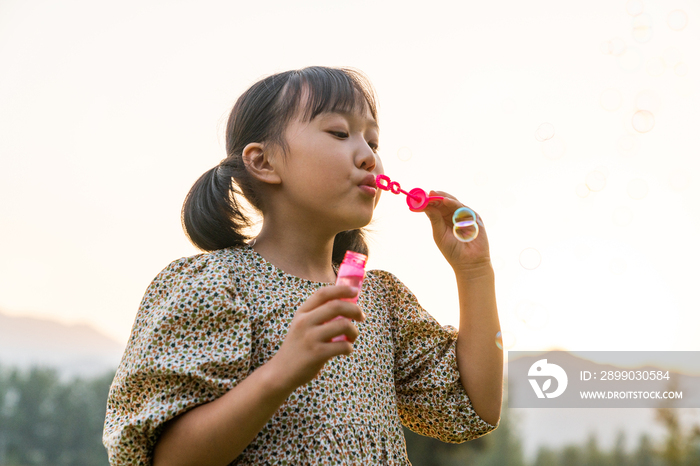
(329, 169)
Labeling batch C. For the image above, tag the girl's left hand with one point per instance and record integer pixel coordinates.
(463, 257)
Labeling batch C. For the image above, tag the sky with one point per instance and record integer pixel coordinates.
(570, 127)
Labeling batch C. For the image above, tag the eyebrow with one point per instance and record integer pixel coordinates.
(354, 116)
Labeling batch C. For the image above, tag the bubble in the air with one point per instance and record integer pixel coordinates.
(534, 315)
(530, 258)
(631, 60)
(627, 145)
(641, 28)
(635, 7)
(618, 266)
(465, 227)
(622, 216)
(681, 69)
(553, 148)
(544, 132)
(637, 189)
(677, 20)
(648, 100)
(404, 154)
(595, 180)
(643, 121)
(505, 339)
(610, 99)
(656, 66)
(678, 180)
(614, 46)
(582, 190)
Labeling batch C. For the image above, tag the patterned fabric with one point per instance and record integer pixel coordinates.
(209, 320)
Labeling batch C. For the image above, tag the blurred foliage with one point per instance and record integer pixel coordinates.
(48, 421)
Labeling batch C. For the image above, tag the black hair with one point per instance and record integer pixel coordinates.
(212, 215)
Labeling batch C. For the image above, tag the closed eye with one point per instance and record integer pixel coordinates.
(339, 134)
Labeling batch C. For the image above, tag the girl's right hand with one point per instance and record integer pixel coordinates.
(308, 345)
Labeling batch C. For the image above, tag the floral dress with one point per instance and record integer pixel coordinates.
(207, 321)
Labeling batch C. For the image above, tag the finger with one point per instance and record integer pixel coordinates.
(326, 294)
(332, 309)
(337, 327)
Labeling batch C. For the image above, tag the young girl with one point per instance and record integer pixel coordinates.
(231, 358)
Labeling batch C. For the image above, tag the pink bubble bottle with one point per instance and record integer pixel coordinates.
(351, 273)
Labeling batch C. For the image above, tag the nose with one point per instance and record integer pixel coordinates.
(366, 158)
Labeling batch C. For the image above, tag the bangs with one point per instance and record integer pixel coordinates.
(328, 90)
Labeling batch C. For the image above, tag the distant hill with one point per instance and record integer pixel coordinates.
(74, 350)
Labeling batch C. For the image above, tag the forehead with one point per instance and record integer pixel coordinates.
(313, 103)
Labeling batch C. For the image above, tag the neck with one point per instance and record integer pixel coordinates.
(304, 254)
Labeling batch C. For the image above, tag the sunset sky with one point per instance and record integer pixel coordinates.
(109, 111)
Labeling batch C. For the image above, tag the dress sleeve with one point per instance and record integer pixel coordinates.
(190, 343)
(430, 395)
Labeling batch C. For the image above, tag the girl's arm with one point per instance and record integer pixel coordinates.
(217, 432)
(479, 360)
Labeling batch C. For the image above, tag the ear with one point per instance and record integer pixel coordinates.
(260, 163)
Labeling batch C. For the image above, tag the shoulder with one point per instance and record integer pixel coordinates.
(214, 267)
(386, 280)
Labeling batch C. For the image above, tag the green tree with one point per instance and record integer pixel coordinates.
(645, 455)
(572, 455)
(44, 421)
(619, 454)
(546, 457)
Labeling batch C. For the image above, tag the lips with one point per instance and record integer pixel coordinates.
(370, 181)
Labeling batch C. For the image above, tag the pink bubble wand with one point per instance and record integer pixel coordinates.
(464, 223)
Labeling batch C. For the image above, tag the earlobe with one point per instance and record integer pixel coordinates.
(260, 164)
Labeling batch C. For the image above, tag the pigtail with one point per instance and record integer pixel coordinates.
(211, 216)
(350, 240)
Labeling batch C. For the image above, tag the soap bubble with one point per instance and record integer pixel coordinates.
(544, 132)
(530, 258)
(610, 99)
(465, 228)
(631, 60)
(618, 266)
(553, 148)
(656, 66)
(505, 339)
(681, 69)
(627, 145)
(622, 216)
(635, 7)
(582, 190)
(595, 180)
(404, 154)
(677, 20)
(614, 46)
(641, 28)
(532, 314)
(637, 189)
(643, 121)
